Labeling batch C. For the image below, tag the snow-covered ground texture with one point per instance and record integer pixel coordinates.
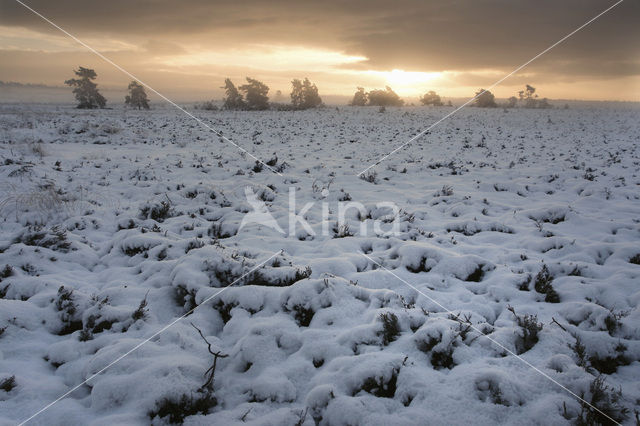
(514, 282)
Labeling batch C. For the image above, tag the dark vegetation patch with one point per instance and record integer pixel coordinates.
(215, 231)
(476, 275)
(542, 284)
(441, 358)
(65, 304)
(141, 312)
(423, 266)
(158, 212)
(341, 231)
(552, 218)
(601, 406)
(54, 238)
(227, 273)
(224, 309)
(390, 327)
(529, 329)
(379, 387)
(6, 272)
(8, 384)
(262, 279)
(185, 298)
(604, 364)
(470, 231)
(303, 315)
(136, 250)
(175, 411)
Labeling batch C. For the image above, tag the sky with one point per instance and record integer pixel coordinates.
(185, 49)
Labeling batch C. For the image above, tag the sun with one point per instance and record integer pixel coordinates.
(410, 81)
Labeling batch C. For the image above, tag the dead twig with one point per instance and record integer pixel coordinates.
(208, 385)
(553, 321)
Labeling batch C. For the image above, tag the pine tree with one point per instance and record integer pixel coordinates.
(233, 98)
(359, 98)
(137, 97)
(255, 94)
(85, 90)
(304, 94)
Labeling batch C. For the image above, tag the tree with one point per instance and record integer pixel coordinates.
(233, 98)
(530, 98)
(385, 97)
(431, 98)
(359, 98)
(511, 102)
(304, 94)
(527, 93)
(85, 90)
(137, 97)
(485, 99)
(255, 94)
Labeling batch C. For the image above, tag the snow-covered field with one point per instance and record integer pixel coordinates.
(523, 226)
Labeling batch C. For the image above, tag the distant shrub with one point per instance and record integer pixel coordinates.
(431, 98)
(207, 106)
(386, 97)
(379, 97)
(484, 99)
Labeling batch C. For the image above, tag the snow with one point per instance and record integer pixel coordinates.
(102, 210)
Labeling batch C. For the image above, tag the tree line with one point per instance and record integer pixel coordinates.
(253, 96)
(527, 98)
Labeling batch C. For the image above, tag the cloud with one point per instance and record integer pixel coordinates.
(462, 39)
